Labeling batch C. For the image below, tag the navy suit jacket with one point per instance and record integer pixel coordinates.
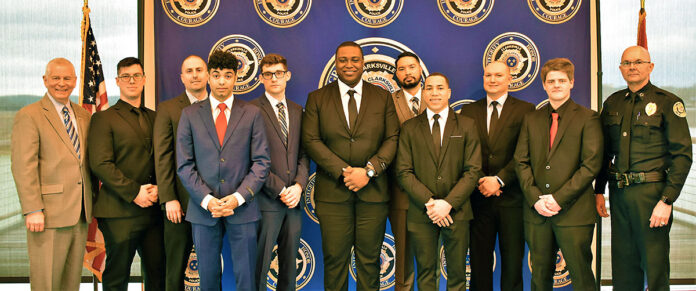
(240, 165)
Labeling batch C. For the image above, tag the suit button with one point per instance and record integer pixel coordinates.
(223, 182)
(624, 133)
(548, 167)
(352, 139)
(439, 177)
(547, 185)
(287, 172)
(79, 183)
(222, 160)
(490, 156)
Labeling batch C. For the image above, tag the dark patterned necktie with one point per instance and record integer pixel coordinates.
(414, 106)
(352, 109)
(436, 134)
(282, 119)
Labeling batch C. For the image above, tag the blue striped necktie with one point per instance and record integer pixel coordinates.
(72, 133)
(283, 122)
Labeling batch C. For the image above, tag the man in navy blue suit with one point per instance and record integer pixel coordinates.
(223, 160)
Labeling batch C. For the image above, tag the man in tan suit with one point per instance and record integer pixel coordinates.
(49, 165)
(408, 104)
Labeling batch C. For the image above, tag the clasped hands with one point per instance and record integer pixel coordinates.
(489, 186)
(438, 210)
(547, 206)
(355, 178)
(291, 195)
(223, 207)
(147, 196)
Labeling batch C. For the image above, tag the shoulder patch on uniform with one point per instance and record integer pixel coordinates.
(679, 109)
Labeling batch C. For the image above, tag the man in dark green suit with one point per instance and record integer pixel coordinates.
(172, 194)
(121, 156)
(558, 155)
(647, 159)
(497, 203)
(350, 130)
(439, 174)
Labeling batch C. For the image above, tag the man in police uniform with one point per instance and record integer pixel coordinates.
(647, 159)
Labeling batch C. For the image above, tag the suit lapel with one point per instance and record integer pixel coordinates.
(425, 131)
(268, 109)
(450, 124)
(402, 104)
(480, 116)
(236, 114)
(295, 114)
(206, 115)
(503, 119)
(122, 110)
(183, 101)
(82, 124)
(563, 125)
(56, 122)
(363, 106)
(336, 98)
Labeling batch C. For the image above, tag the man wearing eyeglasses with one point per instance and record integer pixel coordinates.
(173, 197)
(646, 162)
(280, 196)
(223, 158)
(121, 156)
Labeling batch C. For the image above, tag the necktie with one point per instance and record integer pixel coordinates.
(71, 130)
(352, 109)
(282, 119)
(625, 142)
(142, 120)
(554, 128)
(494, 119)
(221, 123)
(436, 134)
(414, 106)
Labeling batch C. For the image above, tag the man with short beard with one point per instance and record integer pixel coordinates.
(408, 104)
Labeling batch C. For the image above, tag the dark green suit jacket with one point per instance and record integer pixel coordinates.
(567, 170)
(333, 146)
(452, 176)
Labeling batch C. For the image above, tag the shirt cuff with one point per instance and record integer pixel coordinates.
(500, 181)
(35, 211)
(281, 191)
(206, 200)
(240, 199)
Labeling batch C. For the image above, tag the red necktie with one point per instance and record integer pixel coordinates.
(221, 123)
(554, 128)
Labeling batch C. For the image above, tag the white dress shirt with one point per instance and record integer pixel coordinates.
(274, 104)
(408, 97)
(59, 109)
(442, 120)
(343, 90)
(489, 109)
(192, 99)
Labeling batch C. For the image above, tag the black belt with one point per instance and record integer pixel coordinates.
(626, 179)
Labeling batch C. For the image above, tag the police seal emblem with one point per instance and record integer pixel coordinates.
(554, 11)
(379, 68)
(561, 276)
(443, 264)
(249, 55)
(465, 12)
(374, 13)
(519, 53)
(387, 268)
(305, 264)
(309, 198)
(679, 109)
(190, 13)
(192, 281)
(282, 13)
(650, 108)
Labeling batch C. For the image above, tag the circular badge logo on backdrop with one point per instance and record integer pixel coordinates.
(519, 52)
(309, 205)
(561, 276)
(374, 13)
(387, 263)
(443, 262)
(457, 105)
(192, 280)
(542, 103)
(379, 54)
(249, 55)
(190, 13)
(465, 12)
(282, 13)
(305, 263)
(554, 11)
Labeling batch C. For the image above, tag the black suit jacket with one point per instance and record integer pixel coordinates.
(333, 146)
(567, 170)
(289, 165)
(497, 151)
(452, 176)
(122, 158)
(164, 140)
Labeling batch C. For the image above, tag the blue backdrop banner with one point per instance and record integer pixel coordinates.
(454, 37)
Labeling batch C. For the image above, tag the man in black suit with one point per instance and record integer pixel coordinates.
(439, 174)
(172, 195)
(121, 156)
(497, 202)
(559, 154)
(281, 217)
(350, 130)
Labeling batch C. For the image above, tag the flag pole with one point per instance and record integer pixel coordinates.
(83, 36)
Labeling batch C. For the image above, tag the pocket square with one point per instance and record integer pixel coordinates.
(455, 136)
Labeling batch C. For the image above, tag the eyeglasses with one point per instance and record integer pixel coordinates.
(126, 78)
(277, 74)
(636, 63)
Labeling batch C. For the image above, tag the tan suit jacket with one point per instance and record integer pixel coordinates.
(399, 198)
(46, 169)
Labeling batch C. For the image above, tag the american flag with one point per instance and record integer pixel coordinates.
(93, 87)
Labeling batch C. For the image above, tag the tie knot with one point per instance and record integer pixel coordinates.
(436, 117)
(222, 107)
(351, 93)
(494, 103)
(280, 105)
(414, 100)
(65, 110)
(554, 115)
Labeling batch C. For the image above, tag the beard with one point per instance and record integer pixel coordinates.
(409, 85)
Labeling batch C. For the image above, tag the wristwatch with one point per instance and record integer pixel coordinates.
(370, 172)
(666, 200)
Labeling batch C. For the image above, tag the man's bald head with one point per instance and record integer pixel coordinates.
(58, 62)
(636, 50)
(496, 79)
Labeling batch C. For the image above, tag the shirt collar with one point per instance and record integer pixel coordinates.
(443, 114)
(561, 109)
(58, 105)
(500, 100)
(409, 96)
(214, 102)
(274, 102)
(191, 98)
(343, 88)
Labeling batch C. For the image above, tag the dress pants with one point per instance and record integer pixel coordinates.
(426, 239)
(282, 228)
(404, 274)
(177, 248)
